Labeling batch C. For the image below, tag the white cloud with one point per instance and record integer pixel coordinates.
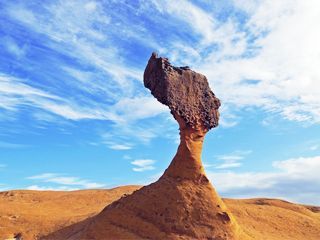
(42, 176)
(227, 123)
(66, 181)
(120, 146)
(314, 147)
(131, 131)
(199, 20)
(248, 6)
(13, 48)
(77, 30)
(300, 165)
(139, 108)
(230, 157)
(12, 87)
(48, 188)
(229, 165)
(143, 165)
(232, 160)
(284, 62)
(264, 63)
(92, 82)
(117, 140)
(294, 179)
(73, 111)
(12, 145)
(14, 92)
(227, 118)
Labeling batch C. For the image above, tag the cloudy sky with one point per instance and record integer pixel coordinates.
(74, 113)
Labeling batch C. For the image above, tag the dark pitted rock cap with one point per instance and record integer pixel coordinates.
(185, 92)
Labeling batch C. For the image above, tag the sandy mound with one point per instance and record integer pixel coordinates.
(163, 210)
(34, 213)
(271, 219)
(40, 213)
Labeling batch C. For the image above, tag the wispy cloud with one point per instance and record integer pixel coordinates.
(140, 128)
(228, 118)
(141, 165)
(232, 160)
(12, 145)
(46, 188)
(81, 38)
(65, 181)
(89, 33)
(264, 73)
(106, 82)
(137, 108)
(119, 146)
(15, 92)
(279, 69)
(99, 80)
(314, 147)
(200, 21)
(13, 48)
(229, 164)
(296, 179)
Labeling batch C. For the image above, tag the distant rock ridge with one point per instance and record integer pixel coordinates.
(182, 204)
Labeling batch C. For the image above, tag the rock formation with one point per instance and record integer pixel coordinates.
(182, 204)
(192, 104)
(184, 91)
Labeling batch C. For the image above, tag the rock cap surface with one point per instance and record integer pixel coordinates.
(184, 91)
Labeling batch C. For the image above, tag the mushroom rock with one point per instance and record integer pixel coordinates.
(182, 204)
(192, 104)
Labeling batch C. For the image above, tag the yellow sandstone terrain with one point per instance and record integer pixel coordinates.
(37, 213)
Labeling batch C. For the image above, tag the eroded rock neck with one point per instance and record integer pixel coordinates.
(187, 162)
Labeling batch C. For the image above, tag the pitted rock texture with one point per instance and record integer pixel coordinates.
(185, 92)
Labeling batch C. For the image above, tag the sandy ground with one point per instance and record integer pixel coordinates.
(36, 213)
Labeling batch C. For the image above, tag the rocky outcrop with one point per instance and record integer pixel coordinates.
(184, 91)
(192, 104)
(182, 204)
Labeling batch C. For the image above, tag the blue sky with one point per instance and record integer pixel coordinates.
(74, 113)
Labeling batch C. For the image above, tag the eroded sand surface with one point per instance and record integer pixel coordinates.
(35, 213)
